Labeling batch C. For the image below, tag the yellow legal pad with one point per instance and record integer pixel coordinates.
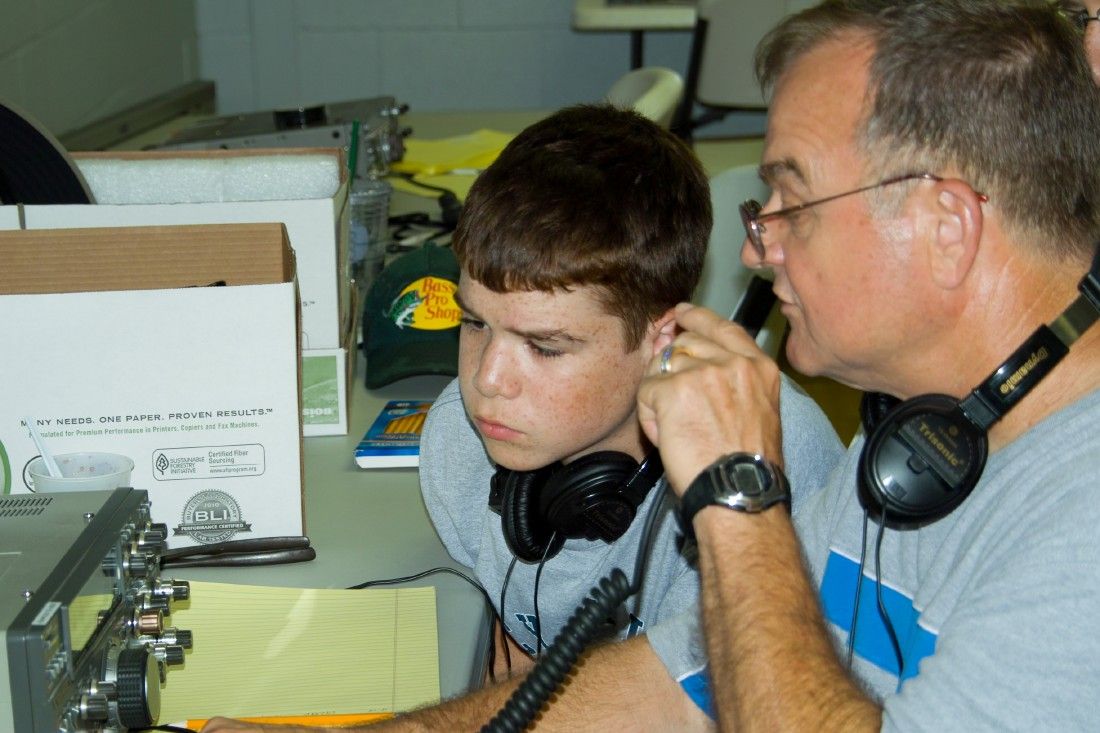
(475, 150)
(451, 163)
(265, 651)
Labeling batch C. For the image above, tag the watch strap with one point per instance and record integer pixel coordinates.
(711, 487)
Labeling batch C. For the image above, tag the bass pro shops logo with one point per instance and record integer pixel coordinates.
(211, 516)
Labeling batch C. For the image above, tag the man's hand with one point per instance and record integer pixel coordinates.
(719, 394)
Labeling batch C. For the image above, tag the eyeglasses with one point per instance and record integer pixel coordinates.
(752, 218)
(1078, 16)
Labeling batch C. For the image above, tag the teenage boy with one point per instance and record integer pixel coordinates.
(574, 246)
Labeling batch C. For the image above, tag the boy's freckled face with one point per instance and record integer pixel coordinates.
(546, 376)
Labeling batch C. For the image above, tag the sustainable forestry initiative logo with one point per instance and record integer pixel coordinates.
(211, 516)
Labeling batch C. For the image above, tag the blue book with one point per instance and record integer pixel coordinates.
(393, 439)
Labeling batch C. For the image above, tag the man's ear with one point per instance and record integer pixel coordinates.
(663, 330)
(956, 232)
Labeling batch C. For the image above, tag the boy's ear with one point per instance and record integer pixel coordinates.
(663, 330)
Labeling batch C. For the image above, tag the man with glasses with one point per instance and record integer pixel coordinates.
(935, 175)
(1085, 15)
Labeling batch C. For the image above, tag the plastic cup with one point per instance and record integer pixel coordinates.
(368, 228)
(82, 472)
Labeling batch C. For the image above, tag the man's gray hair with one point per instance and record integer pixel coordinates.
(1000, 90)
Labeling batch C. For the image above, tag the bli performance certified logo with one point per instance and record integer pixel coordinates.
(211, 516)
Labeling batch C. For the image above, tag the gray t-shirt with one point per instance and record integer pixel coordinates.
(996, 607)
(454, 478)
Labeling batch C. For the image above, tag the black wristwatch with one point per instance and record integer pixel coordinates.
(741, 481)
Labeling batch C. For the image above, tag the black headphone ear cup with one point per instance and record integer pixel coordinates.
(874, 406)
(920, 462)
(584, 498)
(524, 528)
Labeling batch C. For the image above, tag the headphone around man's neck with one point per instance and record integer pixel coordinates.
(924, 456)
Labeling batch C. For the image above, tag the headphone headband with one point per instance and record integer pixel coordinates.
(1037, 356)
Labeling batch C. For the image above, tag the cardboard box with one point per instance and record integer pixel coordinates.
(317, 225)
(117, 340)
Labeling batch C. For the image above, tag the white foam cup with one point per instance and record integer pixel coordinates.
(82, 472)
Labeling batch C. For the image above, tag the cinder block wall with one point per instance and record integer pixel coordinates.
(70, 62)
(432, 54)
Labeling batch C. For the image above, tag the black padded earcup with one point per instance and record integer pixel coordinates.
(874, 406)
(584, 498)
(921, 460)
(525, 530)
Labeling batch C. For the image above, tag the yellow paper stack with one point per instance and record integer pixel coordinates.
(265, 651)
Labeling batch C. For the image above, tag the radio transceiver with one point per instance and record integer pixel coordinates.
(84, 645)
(377, 119)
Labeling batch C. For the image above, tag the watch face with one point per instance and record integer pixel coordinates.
(747, 478)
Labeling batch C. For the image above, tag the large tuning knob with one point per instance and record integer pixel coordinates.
(138, 688)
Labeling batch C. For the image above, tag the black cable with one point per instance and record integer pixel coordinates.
(882, 606)
(578, 632)
(538, 576)
(647, 540)
(404, 224)
(411, 178)
(449, 205)
(468, 579)
(492, 656)
(503, 625)
(550, 669)
(240, 553)
(418, 576)
(859, 590)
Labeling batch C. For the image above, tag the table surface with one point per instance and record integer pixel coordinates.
(599, 15)
(372, 524)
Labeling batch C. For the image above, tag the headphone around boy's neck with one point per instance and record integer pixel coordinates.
(594, 497)
(922, 457)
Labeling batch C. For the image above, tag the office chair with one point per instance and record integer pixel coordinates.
(720, 74)
(651, 91)
(727, 286)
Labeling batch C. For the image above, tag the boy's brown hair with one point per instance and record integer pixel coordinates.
(591, 196)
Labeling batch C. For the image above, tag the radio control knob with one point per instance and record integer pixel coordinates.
(152, 540)
(185, 638)
(172, 654)
(153, 602)
(149, 623)
(180, 637)
(140, 563)
(177, 590)
(157, 531)
(138, 688)
(94, 707)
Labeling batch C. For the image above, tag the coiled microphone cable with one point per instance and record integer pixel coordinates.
(579, 631)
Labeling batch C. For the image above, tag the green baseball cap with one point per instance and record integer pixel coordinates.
(411, 319)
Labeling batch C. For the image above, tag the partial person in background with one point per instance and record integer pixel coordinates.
(574, 246)
(935, 175)
(1085, 15)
